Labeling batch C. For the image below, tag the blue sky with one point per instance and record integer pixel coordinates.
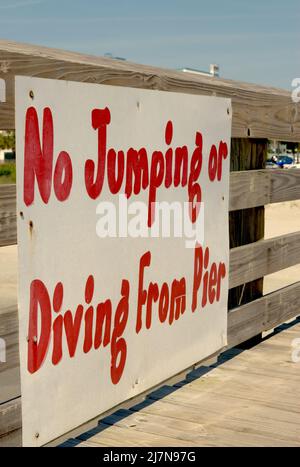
(256, 40)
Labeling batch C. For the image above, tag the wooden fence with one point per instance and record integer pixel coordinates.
(259, 113)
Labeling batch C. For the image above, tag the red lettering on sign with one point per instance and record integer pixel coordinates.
(94, 180)
(205, 278)
(38, 160)
(96, 326)
(170, 302)
(38, 157)
(72, 328)
(136, 169)
(118, 343)
(215, 162)
(38, 348)
(65, 326)
(63, 176)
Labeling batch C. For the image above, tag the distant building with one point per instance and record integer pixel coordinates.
(114, 57)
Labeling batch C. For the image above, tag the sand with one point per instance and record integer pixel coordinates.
(280, 219)
(8, 277)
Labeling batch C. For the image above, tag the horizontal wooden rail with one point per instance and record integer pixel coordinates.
(10, 416)
(248, 189)
(244, 323)
(263, 314)
(9, 331)
(251, 188)
(255, 260)
(8, 219)
(258, 111)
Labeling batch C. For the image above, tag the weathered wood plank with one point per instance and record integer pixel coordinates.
(9, 331)
(263, 314)
(246, 226)
(249, 188)
(8, 219)
(10, 416)
(249, 262)
(228, 406)
(259, 187)
(258, 111)
(12, 440)
(209, 411)
(10, 386)
(121, 436)
(185, 431)
(285, 185)
(206, 434)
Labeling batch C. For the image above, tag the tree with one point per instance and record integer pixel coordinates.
(7, 140)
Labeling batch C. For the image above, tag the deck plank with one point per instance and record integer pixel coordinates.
(248, 399)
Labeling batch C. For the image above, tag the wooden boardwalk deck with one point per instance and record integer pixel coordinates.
(250, 398)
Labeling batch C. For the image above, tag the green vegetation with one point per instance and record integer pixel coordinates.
(8, 173)
(7, 140)
(7, 169)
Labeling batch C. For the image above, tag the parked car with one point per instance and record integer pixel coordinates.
(285, 161)
(271, 164)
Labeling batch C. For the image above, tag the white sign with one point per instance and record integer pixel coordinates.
(123, 244)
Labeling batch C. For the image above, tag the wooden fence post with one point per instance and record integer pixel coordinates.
(247, 225)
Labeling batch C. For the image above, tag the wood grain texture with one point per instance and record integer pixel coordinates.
(248, 225)
(249, 188)
(10, 387)
(8, 219)
(253, 188)
(285, 185)
(10, 416)
(264, 257)
(248, 400)
(248, 320)
(119, 435)
(9, 331)
(12, 440)
(258, 111)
